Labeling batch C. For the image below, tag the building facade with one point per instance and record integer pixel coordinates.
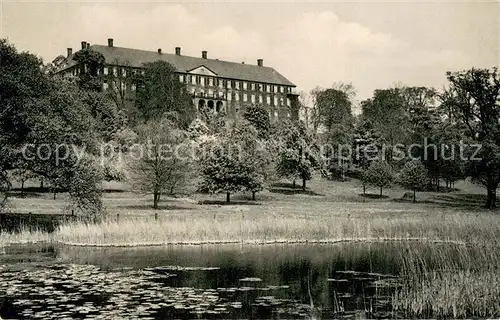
(216, 85)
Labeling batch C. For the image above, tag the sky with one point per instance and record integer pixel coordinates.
(370, 44)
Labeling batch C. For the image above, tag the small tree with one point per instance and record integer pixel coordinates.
(162, 165)
(414, 176)
(379, 174)
(235, 161)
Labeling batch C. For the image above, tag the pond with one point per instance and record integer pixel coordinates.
(227, 281)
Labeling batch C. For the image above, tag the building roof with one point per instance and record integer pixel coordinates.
(224, 69)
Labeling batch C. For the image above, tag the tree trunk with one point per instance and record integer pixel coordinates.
(41, 183)
(304, 184)
(55, 191)
(22, 189)
(437, 180)
(380, 192)
(228, 197)
(293, 184)
(253, 195)
(491, 197)
(414, 195)
(155, 200)
(364, 189)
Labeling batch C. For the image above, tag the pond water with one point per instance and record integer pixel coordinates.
(281, 281)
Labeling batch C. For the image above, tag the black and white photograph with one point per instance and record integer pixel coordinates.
(249, 159)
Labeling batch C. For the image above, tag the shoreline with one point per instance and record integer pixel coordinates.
(248, 242)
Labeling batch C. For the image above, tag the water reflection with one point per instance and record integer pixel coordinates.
(281, 281)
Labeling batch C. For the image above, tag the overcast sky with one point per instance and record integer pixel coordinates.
(371, 44)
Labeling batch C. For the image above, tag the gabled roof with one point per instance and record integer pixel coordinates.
(224, 69)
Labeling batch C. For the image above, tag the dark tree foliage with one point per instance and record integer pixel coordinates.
(91, 65)
(161, 94)
(473, 99)
(333, 107)
(259, 118)
(36, 109)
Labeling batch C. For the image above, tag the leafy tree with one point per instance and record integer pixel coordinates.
(235, 161)
(413, 176)
(160, 93)
(162, 164)
(91, 64)
(379, 174)
(297, 155)
(387, 112)
(333, 107)
(38, 110)
(473, 99)
(366, 146)
(259, 118)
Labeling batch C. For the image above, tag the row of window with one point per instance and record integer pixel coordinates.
(245, 97)
(232, 84)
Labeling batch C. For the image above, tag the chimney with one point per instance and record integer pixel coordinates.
(88, 45)
(110, 42)
(260, 62)
(84, 45)
(70, 52)
(204, 54)
(178, 51)
(159, 50)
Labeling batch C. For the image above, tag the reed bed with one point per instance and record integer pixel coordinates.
(269, 228)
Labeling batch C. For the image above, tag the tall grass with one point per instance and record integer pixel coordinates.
(268, 228)
(24, 236)
(443, 283)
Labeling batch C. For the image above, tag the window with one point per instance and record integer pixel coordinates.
(220, 82)
(193, 79)
(252, 98)
(275, 101)
(236, 96)
(124, 72)
(288, 114)
(245, 85)
(245, 97)
(260, 99)
(115, 71)
(237, 85)
(229, 84)
(105, 86)
(252, 86)
(288, 103)
(282, 101)
(123, 86)
(210, 81)
(282, 89)
(192, 90)
(105, 70)
(210, 93)
(202, 81)
(268, 99)
(229, 96)
(181, 78)
(275, 113)
(132, 86)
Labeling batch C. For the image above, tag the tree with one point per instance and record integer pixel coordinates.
(36, 110)
(333, 107)
(473, 99)
(413, 176)
(91, 64)
(162, 164)
(160, 93)
(297, 154)
(387, 112)
(259, 118)
(235, 161)
(379, 174)
(366, 144)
